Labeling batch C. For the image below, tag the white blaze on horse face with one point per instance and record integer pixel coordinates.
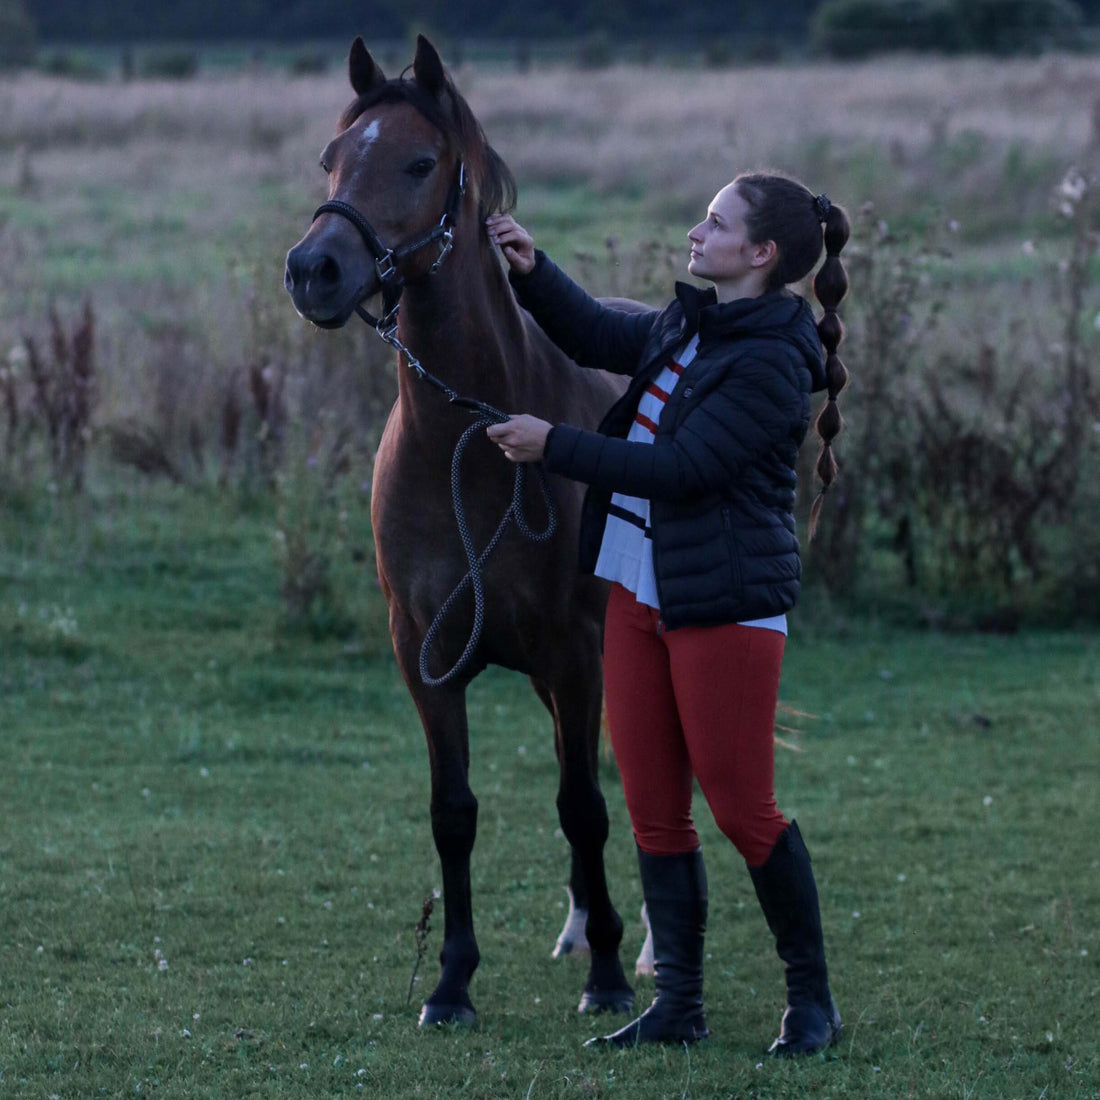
(370, 135)
(367, 137)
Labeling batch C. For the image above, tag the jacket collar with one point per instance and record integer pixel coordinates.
(693, 300)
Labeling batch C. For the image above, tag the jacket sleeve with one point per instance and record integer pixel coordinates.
(590, 333)
(734, 425)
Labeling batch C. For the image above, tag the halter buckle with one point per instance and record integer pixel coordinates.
(386, 266)
(446, 243)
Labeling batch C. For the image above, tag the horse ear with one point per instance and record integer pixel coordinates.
(365, 75)
(428, 68)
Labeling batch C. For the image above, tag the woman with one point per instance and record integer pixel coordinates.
(689, 515)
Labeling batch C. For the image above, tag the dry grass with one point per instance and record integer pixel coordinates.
(172, 204)
(657, 128)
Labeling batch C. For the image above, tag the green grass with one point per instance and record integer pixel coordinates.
(184, 781)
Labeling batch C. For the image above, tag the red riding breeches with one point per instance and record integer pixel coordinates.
(697, 702)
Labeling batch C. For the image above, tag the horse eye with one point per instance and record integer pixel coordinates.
(325, 168)
(422, 168)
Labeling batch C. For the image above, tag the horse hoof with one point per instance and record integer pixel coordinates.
(444, 1015)
(605, 1000)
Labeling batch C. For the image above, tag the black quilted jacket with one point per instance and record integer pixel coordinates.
(720, 475)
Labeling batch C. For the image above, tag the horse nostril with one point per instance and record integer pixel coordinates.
(328, 271)
(304, 268)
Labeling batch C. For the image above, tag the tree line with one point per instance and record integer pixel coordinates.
(829, 26)
(77, 21)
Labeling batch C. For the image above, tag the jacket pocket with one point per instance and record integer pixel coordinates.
(737, 586)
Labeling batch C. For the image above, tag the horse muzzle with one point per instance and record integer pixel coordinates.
(324, 283)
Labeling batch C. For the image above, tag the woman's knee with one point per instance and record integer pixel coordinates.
(752, 834)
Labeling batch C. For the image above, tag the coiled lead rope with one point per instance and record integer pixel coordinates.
(387, 329)
(475, 561)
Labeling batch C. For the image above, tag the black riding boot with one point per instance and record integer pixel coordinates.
(675, 891)
(788, 895)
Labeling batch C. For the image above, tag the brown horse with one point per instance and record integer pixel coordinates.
(410, 166)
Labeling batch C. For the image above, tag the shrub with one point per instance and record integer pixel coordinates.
(170, 65)
(595, 52)
(858, 28)
(71, 66)
(17, 35)
(967, 470)
(309, 64)
(1017, 26)
(48, 399)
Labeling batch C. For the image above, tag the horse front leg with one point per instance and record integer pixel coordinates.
(575, 698)
(454, 827)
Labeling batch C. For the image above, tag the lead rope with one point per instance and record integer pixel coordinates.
(387, 329)
(476, 561)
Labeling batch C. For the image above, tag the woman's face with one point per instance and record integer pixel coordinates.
(721, 251)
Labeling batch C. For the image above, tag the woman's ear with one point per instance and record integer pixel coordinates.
(764, 253)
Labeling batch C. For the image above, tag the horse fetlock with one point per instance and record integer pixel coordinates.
(459, 961)
(604, 932)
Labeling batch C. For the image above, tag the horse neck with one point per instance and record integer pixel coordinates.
(464, 326)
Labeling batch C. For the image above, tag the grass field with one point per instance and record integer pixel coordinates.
(214, 847)
(214, 835)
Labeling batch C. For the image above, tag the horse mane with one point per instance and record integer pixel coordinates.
(450, 113)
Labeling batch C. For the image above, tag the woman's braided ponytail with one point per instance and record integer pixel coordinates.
(830, 286)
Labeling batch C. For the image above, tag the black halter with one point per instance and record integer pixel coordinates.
(387, 259)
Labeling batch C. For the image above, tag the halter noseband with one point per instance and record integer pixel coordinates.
(387, 259)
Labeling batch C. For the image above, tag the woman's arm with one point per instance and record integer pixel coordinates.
(590, 333)
(741, 420)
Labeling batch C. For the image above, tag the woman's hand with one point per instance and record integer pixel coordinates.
(521, 438)
(515, 242)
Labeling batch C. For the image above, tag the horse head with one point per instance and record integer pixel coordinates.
(409, 166)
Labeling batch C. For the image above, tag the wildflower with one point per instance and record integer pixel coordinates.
(988, 800)
(1073, 187)
(901, 878)
(1028, 248)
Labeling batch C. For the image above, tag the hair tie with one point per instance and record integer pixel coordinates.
(822, 205)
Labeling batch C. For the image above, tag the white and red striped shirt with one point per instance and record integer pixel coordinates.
(626, 553)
